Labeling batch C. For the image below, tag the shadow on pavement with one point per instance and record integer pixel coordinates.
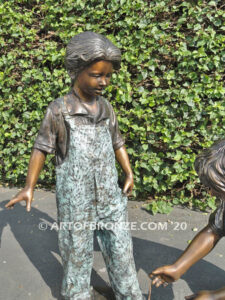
(150, 255)
(39, 246)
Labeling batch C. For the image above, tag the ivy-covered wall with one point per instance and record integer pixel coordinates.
(168, 95)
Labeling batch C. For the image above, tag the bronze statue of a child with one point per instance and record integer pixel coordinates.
(82, 129)
(210, 166)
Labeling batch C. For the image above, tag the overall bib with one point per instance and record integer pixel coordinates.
(87, 192)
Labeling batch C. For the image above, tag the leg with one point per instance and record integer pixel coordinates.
(117, 250)
(76, 247)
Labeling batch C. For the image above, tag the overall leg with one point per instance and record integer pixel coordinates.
(117, 249)
(76, 247)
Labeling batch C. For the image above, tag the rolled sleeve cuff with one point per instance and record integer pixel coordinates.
(44, 148)
(216, 222)
(216, 230)
(118, 145)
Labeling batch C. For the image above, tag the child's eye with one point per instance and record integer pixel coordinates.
(95, 75)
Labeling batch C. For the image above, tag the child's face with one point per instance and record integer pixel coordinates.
(93, 79)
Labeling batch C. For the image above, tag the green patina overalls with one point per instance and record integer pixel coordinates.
(87, 191)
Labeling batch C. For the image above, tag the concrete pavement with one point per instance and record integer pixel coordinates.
(30, 261)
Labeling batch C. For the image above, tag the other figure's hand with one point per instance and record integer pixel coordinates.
(164, 275)
(128, 185)
(203, 295)
(25, 195)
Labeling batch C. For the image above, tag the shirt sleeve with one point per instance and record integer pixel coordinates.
(117, 139)
(217, 220)
(46, 138)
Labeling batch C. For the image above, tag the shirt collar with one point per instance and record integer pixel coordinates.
(75, 107)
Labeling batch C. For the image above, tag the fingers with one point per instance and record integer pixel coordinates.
(28, 206)
(10, 207)
(20, 197)
(128, 192)
(157, 280)
(128, 186)
(158, 271)
(192, 297)
(12, 202)
(127, 189)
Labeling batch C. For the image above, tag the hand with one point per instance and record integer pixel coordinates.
(164, 275)
(128, 185)
(203, 295)
(25, 195)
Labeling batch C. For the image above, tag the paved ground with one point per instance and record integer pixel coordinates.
(30, 265)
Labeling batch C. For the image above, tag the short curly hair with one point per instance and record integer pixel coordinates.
(210, 166)
(86, 48)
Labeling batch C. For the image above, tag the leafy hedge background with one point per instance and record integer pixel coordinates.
(168, 95)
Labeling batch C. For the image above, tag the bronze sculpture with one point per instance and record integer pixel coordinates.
(210, 166)
(82, 129)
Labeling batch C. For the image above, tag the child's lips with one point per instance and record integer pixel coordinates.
(99, 91)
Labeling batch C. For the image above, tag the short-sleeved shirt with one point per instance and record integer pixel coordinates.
(53, 136)
(217, 220)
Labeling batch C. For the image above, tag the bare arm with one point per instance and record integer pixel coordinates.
(219, 294)
(208, 295)
(201, 245)
(36, 163)
(123, 160)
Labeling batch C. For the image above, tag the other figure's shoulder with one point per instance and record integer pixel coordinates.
(217, 220)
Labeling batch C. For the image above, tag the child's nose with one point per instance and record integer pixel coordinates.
(103, 81)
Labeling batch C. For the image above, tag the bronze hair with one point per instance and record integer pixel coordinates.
(210, 166)
(86, 48)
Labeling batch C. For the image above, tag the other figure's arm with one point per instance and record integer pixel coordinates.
(208, 295)
(201, 245)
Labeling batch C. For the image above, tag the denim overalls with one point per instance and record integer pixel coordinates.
(87, 192)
